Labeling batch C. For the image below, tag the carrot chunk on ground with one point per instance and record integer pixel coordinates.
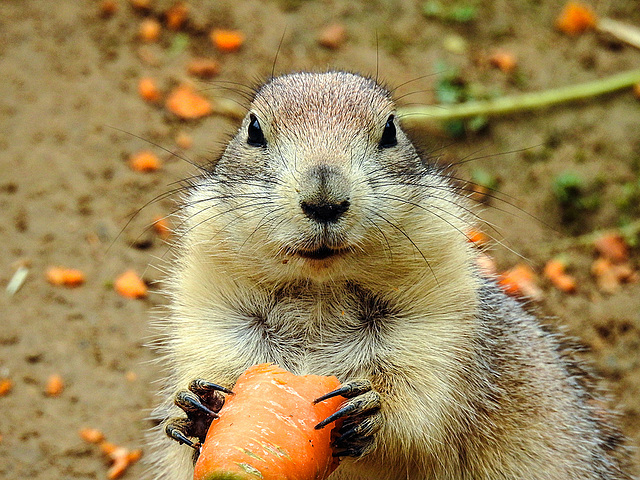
(148, 90)
(149, 30)
(144, 161)
(554, 270)
(187, 104)
(68, 277)
(6, 385)
(575, 18)
(161, 227)
(520, 281)
(177, 15)
(55, 386)
(91, 435)
(129, 284)
(227, 40)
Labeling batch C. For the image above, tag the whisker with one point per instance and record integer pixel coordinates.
(399, 229)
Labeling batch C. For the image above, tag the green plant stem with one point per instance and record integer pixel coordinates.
(417, 115)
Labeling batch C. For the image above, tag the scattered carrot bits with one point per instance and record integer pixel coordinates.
(68, 277)
(144, 161)
(187, 104)
(120, 457)
(91, 435)
(161, 227)
(149, 30)
(108, 8)
(575, 18)
(130, 285)
(5, 386)
(203, 67)
(177, 15)
(610, 276)
(554, 270)
(477, 237)
(333, 36)
(503, 60)
(148, 90)
(520, 281)
(227, 40)
(131, 376)
(55, 386)
(612, 247)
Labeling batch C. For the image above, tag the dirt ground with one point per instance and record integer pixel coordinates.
(70, 116)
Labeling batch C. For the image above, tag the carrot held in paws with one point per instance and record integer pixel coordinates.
(266, 429)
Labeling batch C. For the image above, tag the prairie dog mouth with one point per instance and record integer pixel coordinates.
(319, 253)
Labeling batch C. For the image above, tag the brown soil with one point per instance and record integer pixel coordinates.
(70, 115)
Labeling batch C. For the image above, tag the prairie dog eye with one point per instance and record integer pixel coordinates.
(255, 137)
(389, 139)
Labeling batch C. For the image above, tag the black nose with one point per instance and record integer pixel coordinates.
(323, 211)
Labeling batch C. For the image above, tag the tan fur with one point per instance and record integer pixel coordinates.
(471, 386)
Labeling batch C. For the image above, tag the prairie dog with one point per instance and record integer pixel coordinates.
(321, 241)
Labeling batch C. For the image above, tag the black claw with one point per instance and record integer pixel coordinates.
(348, 390)
(209, 393)
(202, 387)
(343, 412)
(191, 404)
(363, 404)
(174, 429)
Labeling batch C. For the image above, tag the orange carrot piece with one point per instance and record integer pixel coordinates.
(6, 385)
(333, 36)
(477, 237)
(130, 285)
(122, 458)
(148, 90)
(68, 277)
(108, 8)
(554, 270)
(636, 90)
(503, 60)
(55, 386)
(575, 18)
(612, 247)
(203, 67)
(149, 30)
(227, 40)
(177, 15)
(161, 227)
(266, 429)
(144, 161)
(187, 104)
(520, 281)
(610, 275)
(91, 435)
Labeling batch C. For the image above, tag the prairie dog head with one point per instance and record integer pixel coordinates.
(321, 184)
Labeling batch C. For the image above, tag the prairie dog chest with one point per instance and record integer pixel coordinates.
(330, 332)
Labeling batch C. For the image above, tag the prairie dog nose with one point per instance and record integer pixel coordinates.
(325, 197)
